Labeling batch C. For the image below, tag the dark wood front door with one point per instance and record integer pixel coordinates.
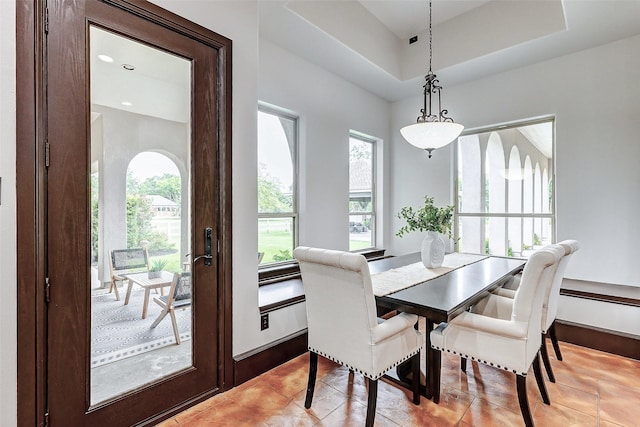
(96, 123)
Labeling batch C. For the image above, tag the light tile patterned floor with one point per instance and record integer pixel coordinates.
(592, 389)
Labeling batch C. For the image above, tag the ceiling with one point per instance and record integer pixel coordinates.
(366, 41)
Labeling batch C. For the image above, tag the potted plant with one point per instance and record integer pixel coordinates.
(435, 221)
(157, 265)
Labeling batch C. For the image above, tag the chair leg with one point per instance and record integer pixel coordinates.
(114, 287)
(545, 359)
(521, 382)
(541, 386)
(554, 340)
(311, 385)
(159, 318)
(415, 381)
(371, 401)
(463, 364)
(174, 323)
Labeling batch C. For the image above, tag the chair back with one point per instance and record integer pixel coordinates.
(180, 291)
(128, 260)
(550, 307)
(537, 276)
(341, 308)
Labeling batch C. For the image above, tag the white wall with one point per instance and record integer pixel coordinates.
(8, 335)
(594, 95)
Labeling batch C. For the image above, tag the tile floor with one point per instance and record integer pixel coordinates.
(592, 389)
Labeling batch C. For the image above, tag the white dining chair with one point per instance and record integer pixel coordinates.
(550, 305)
(343, 327)
(507, 334)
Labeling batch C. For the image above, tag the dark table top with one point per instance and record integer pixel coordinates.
(446, 296)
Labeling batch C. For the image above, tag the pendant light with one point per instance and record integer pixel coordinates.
(431, 130)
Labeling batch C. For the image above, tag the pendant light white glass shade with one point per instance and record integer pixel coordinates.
(431, 135)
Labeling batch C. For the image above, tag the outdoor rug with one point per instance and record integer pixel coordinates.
(118, 331)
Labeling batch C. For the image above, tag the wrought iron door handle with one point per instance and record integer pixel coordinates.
(208, 233)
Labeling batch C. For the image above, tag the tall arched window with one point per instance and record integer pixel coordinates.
(504, 203)
(277, 185)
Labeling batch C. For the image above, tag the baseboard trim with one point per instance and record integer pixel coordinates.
(614, 342)
(263, 359)
(259, 361)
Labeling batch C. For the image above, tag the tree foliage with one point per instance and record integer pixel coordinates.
(270, 196)
(167, 185)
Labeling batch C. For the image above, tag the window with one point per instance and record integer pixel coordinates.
(505, 203)
(277, 186)
(362, 218)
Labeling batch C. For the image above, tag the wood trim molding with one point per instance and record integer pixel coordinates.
(619, 343)
(600, 297)
(263, 359)
(30, 196)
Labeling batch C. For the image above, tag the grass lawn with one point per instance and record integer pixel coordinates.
(174, 263)
(272, 242)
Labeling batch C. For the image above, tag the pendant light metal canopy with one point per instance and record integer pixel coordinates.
(431, 130)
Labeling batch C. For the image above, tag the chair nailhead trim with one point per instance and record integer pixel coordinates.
(366, 374)
(515, 371)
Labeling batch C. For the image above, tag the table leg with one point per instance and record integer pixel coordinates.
(129, 286)
(433, 365)
(147, 291)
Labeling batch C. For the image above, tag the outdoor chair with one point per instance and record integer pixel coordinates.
(124, 261)
(179, 297)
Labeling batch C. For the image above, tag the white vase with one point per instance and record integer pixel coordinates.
(432, 250)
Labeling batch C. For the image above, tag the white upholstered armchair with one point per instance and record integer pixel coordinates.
(342, 322)
(550, 304)
(507, 334)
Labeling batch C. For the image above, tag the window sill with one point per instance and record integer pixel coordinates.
(281, 286)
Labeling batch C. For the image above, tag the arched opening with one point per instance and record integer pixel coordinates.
(154, 208)
(515, 203)
(471, 229)
(537, 205)
(527, 205)
(495, 195)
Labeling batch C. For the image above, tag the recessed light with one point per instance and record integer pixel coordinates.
(126, 103)
(128, 67)
(105, 58)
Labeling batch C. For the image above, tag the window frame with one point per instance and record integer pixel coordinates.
(506, 215)
(294, 215)
(373, 213)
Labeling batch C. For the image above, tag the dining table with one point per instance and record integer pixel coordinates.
(441, 298)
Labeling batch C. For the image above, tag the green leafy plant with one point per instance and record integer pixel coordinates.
(282, 255)
(427, 218)
(158, 264)
(536, 239)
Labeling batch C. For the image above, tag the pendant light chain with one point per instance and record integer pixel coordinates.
(431, 130)
(430, 38)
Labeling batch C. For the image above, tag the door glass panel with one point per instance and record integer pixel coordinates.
(140, 213)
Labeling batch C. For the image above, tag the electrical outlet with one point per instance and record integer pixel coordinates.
(413, 39)
(264, 321)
